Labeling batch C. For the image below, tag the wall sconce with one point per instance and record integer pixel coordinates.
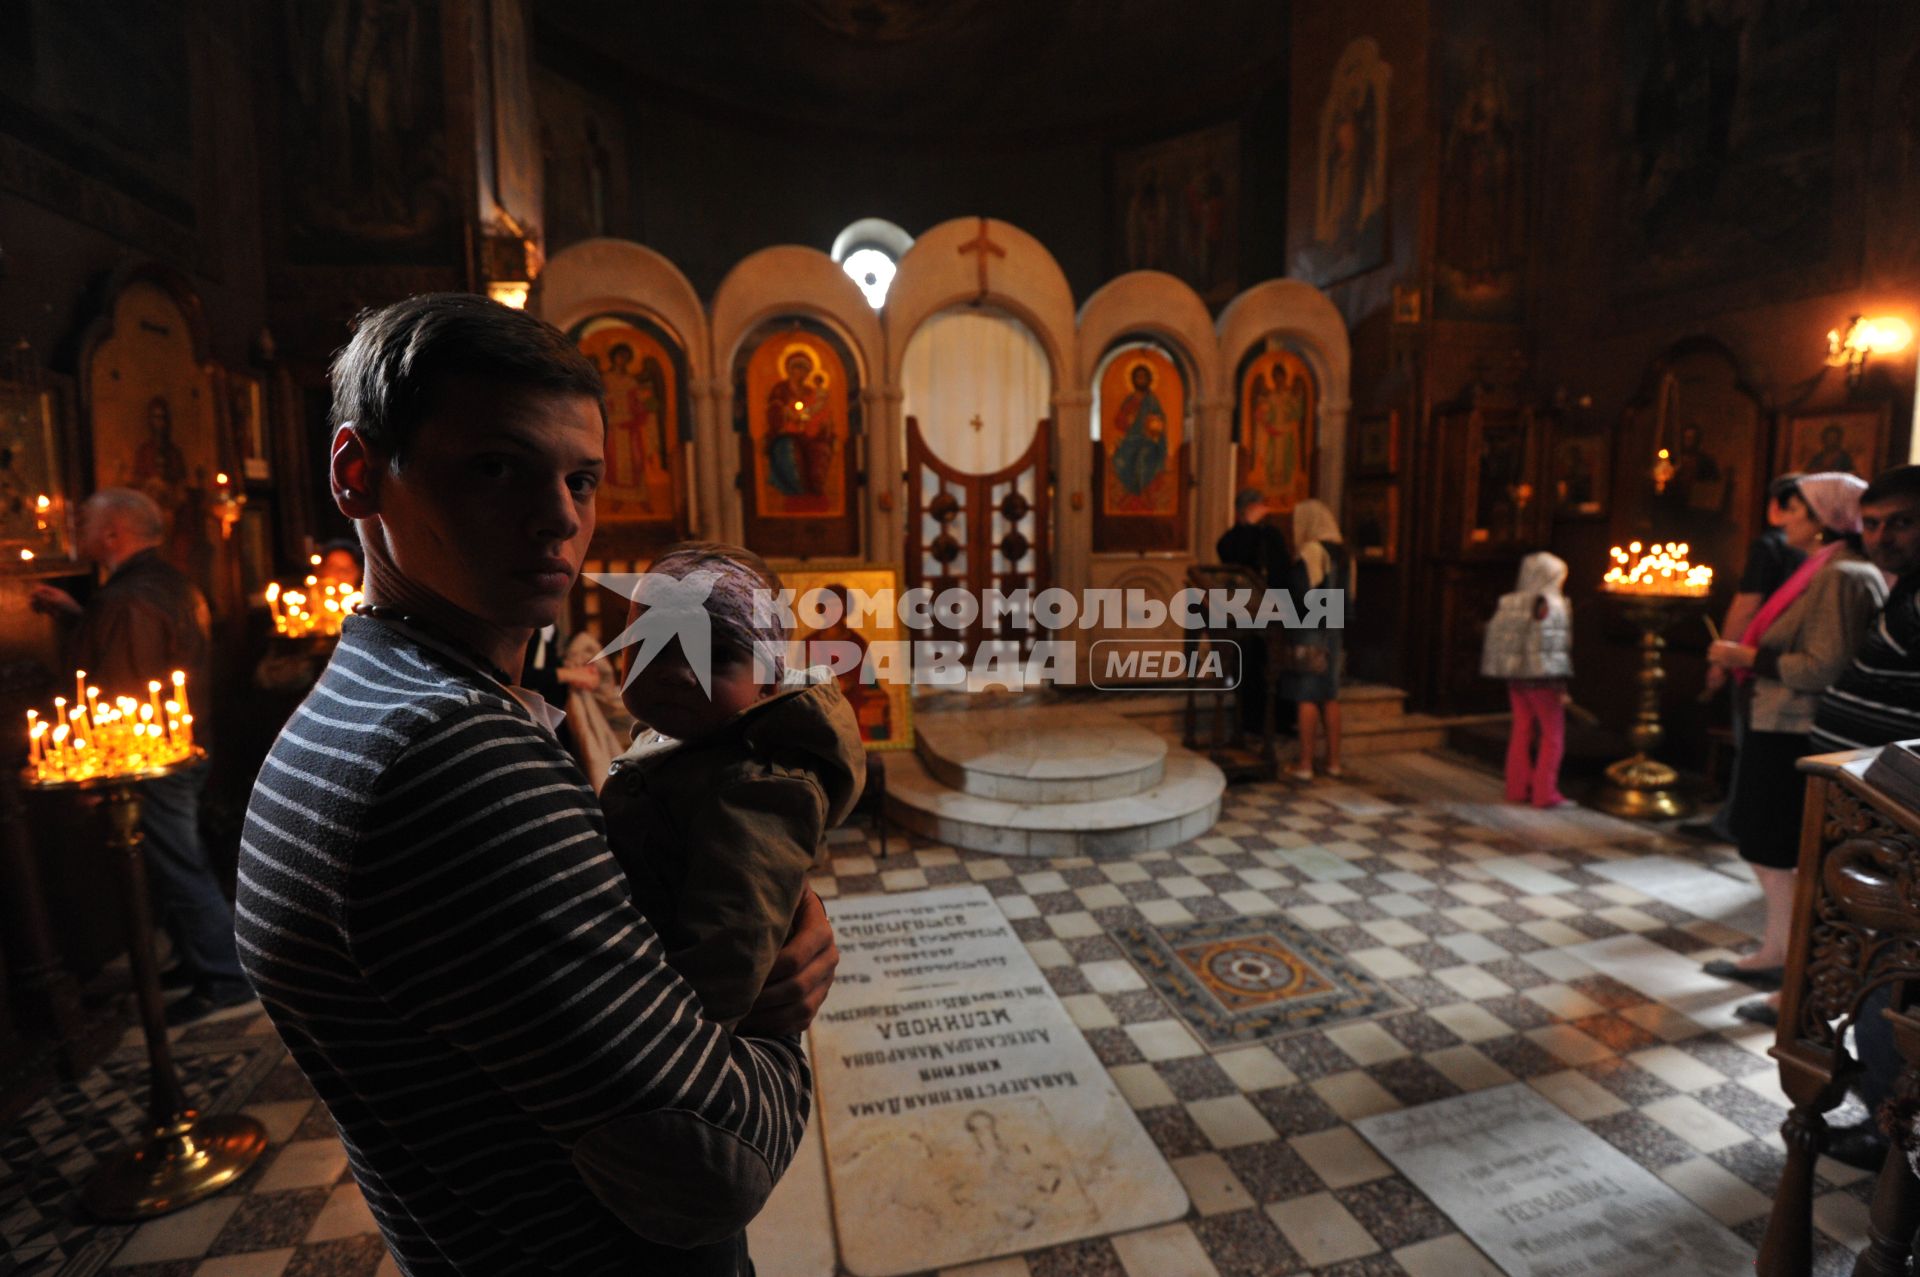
(1863, 338)
(510, 264)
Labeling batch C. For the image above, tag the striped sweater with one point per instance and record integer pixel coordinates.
(1877, 699)
(431, 916)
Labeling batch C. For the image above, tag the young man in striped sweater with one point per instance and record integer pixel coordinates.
(427, 905)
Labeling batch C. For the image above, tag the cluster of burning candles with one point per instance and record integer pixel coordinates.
(95, 737)
(1658, 569)
(317, 607)
(42, 511)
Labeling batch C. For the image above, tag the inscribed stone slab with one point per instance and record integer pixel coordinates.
(1543, 1195)
(964, 1115)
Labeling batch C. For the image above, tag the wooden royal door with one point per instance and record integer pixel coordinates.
(977, 532)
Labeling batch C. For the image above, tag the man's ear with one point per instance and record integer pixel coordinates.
(354, 471)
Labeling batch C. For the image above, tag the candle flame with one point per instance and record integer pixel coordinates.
(1660, 570)
(98, 736)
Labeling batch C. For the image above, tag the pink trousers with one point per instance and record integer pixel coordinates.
(1533, 772)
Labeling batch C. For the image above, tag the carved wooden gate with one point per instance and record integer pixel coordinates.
(976, 532)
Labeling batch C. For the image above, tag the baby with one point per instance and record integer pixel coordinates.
(719, 808)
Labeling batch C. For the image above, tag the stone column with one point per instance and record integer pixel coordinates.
(886, 496)
(717, 502)
(1072, 489)
(1214, 463)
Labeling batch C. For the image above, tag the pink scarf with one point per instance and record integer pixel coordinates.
(1782, 599)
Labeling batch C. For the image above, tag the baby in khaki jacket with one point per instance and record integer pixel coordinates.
(719, 809)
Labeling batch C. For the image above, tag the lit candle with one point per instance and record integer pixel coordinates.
(180, 693)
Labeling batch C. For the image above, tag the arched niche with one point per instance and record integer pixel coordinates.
(1153, 303)
(978, 260)
(1301, 318)
(616, 277)
(775, 285)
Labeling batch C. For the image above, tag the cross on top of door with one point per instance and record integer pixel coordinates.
(976, 423)
(983, 245)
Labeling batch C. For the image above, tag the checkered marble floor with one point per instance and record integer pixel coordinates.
(1410, 867)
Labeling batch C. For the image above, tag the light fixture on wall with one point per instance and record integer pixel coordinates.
(510, 264)
(1863, 338)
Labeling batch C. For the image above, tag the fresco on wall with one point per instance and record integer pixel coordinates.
(363, 133)
(796, 414)
(1179, 209)
(155, 416)
(1275, 426)
(1729, 135)
(644, 395)
(1142, 405)
(1140, 480)
(1711, 425)
(1350, 169)
(797, 389)
(1482, 235)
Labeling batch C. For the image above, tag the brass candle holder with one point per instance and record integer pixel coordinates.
(186, 1155)
(1655, 590)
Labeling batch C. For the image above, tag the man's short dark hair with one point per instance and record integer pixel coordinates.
(387, 379)
(1901, 483)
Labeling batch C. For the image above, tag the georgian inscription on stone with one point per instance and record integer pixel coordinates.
(963, 1113)
(1545, 1197)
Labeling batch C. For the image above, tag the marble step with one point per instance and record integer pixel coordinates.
(1413, 732)
(1041, 753)
(1184, 804)
(1359, 703)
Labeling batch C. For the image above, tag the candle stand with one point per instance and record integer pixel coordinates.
(186, 1155)
(1641, 787)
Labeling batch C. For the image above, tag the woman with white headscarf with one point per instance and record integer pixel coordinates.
(1795, 646)
(1311, 667)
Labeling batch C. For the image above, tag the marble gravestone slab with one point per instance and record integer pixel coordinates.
(1544, 1196)
(964, 1115)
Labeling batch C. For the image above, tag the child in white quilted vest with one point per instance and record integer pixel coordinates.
(1530, 645)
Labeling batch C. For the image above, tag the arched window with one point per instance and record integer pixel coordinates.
(870, 251)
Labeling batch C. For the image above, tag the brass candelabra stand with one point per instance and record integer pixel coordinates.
(186, 1155)
(1640, 786)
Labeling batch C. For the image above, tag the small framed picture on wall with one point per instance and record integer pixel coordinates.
(1851, 440)
(1577, 475)
(1376, 445)
(1373, 511)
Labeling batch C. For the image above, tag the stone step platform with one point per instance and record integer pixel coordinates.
(1359, 703)
(1373, 719)
(1184, 803)
(1036, 754)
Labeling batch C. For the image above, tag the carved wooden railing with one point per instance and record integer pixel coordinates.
(1856, 931)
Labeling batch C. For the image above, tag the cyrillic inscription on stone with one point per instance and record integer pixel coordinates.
(1544, 1196)
(964, 1114)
